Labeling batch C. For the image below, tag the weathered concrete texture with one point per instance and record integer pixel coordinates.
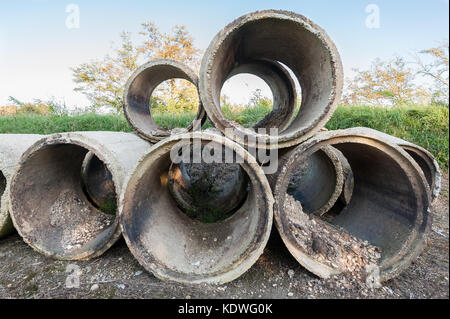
(318, 181)
(49, 207)
(276, 36)
(12, 147)
(388, 210)
(139, 89)
(424, 158)
(175, 247)
(98, 184)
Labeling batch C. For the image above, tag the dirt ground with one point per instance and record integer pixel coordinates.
(26, 274)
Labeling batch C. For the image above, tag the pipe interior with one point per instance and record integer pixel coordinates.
(208, 192)
(424, 165)
(98, 184)
(2, 187)
(184, 247)
(51, 206)
(282, 87)
(314, 181)
(141, 90)
(383, 207)
(299, 49)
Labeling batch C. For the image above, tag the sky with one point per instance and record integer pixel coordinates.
(40, 41)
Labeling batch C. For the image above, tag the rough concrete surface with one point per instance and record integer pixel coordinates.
(26, 274)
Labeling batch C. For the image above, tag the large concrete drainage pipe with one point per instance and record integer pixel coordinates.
(277, 36)
(50, 207)
(318, 181)
(170, 243)
(12, 147)
(139, 89)
(383, 227)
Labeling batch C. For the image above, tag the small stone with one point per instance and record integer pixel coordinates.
(290, 294)
(137, 273)
(188, 297)
(291, 273)
(121, 286)
(94, 287)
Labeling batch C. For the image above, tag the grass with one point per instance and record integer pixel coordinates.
(426, 126)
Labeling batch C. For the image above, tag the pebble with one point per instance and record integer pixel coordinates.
(291, 273)
(290, 294)
(94, 287)
(121, 286)
(137, 273)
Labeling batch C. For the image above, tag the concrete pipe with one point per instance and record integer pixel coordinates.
(384, 226)
(49, 206)
(12, 147)
(284, 37)
(317, 182)
(139, 89)
(173, 246)
(198, 192)
(98, 184)
(424, 158)
(283, 91)
(347, 188)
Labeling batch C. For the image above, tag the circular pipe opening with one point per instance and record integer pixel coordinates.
(282, 87)
(173, 246)
(387, 216)
(276, 36)
(208, 192)
(50, 207)
(98, 184)
(139, 90)
(318, 181)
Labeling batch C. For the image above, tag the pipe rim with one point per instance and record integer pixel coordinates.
(267, 141)
(417, 238)
(231, 272)
(188, 75)
(106, 156)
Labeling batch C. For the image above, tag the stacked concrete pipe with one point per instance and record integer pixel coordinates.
(12, 147)
(318, 181)
(280, 37)
(383, 227)
(173, 246)
(49, 206)
(348, 201)
(139, 89)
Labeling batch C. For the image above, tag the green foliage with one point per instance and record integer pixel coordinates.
(426, 126)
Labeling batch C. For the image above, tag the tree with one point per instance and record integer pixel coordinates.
(384, 83)
(103, 81)
(436, 69)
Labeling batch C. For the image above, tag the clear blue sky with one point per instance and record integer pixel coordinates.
(37, 49)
